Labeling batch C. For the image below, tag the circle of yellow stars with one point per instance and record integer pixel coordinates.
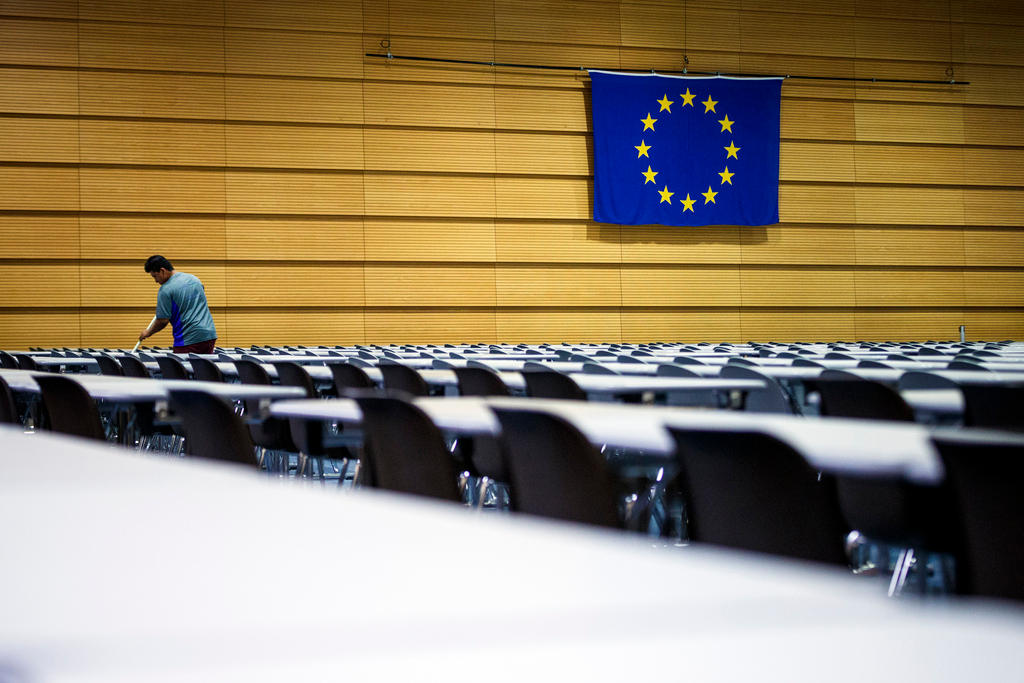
(731, 152)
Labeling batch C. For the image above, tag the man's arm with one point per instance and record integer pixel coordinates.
(154, 327)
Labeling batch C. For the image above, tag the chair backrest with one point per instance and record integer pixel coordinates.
(8, 361)
(984, 477)
(273, 433)
(554, 471)
(551, 384)
(674, 370)
(398, 377)
(171, 368)
(477, 381)
(754, 492)
(1000, 406)
(861, 398)
(69, 407)
(306, 435)
(771, 399)
(133, 367)
(205, 370)
(349, 376)
(8, 408)
(26, 361)
(294, 375)
(109, 365)
(212, 430)
(405, 451)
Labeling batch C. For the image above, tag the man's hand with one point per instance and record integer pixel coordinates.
(143, 335)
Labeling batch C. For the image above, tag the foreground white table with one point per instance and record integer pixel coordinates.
(145, 569)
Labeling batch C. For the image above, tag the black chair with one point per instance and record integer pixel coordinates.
(307, 435)
(398, 377)
(69, 408)
(983, 473)
(751, 491)
(551, 384)
(483, 453)
(845, 395)
(171, 368)
(133, 367)
(8, 361)
(212, 430)
(109, 365)
(26, 361)
(405, 451)
(554, 471)
(270, 434)
(1000, 406)
(8, 407)
(477, 381)
(205, 370)
(349, 376)
(771, 399)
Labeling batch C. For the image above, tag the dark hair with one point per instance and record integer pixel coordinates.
(157, 262)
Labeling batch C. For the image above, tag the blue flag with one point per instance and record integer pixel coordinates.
(685, 151)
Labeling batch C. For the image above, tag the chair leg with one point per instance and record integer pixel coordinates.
(482, 488)
(900, 571)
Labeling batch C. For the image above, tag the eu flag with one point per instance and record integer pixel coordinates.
(685, 150)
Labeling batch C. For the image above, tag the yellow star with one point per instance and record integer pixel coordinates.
(641, 149)
(687, 97)
(666, 196)
(709, 105)
(726, 124)
(726, 176)
(665, 103)
(732, 149)
(649, 174)
(648, 122)
(709, 196)
(688, 203)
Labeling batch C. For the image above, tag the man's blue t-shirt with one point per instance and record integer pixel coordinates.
(182, 300)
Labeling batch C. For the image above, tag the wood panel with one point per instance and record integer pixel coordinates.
(151, 46)
(38, 139)
(429, 195)
(202, 12)
(270, 284)
(409, 284)
(994, 325)
(792, 286)
(557, 241)
(266, 98)
(661, 26)
(255, 51)
(327, 325)
(541, 109)
(119, 328)
(67, 9)
(807, 119)
(909, 122)
(994, 43)
(414, 104)
(906, 164)
(20, 329)
(529, 197)
(994, 246)
(787, 33)
(659, 244)
(994, 288)
(411, 149)
(38, 284)
(557, 21)
(426, 239)
(794, 325)
(538, 325)
(137, 237)
(917, 246)
(817, 204)
(449, 19)
(918, 287)
(294, 192)
(669, 286)
(22, 235)
(994, 125)
(569, 57)
(36, 91)
(987, 166)
(905, 39)
(558, 285)
(910, 205)
(294, 146)
(307, 15)
(38, 188)
(994, 207)
(152, 189)
(817, 162)
(152, 95)
(42, 42)
(712, 27)
(151, 142)
(380, 68)
(308, 238)
(429, 325)
(798, 244)
(543, 153)
(686, 325)
(908, 325)
(109, 284)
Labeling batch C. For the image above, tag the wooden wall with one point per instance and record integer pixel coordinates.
(328, 197)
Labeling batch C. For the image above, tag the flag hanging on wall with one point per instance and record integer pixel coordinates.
(685, 151)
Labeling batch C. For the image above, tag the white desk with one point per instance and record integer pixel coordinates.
(130, 569)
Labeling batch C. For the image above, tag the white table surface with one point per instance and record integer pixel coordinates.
(148, 569)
